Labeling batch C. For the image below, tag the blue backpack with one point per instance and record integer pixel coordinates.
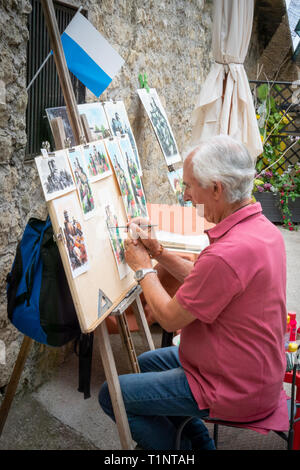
(39, 302)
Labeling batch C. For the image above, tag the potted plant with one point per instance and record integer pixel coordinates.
(277, 185)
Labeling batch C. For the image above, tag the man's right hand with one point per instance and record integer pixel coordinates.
(139, 231)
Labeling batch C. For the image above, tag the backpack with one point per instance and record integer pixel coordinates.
(39, 301)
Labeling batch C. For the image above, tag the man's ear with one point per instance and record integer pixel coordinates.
(217, 190)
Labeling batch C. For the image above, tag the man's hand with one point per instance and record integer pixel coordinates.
(144, 235)
(136, 255)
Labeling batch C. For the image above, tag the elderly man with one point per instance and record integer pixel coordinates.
(230, 309)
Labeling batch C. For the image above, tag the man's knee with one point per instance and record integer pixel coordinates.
(144, 361)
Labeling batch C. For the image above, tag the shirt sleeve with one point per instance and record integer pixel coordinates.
(209, 288)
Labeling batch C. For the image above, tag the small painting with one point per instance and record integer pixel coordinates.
(121, 171)
(136, 183)
(83, 185)
(116, 239)
(61, 112)
(160, 123)
(69, 218)
(55, 174)
(96, 160)
(119, 125)
(176, 181)
(96, 118)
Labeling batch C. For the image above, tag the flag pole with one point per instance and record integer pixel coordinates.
(63, 71)
(44, 63)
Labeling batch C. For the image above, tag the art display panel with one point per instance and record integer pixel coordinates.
(160, 123)
(119, 125)
(55, 174)
(105, 279)
(82, 181)
(96, 160)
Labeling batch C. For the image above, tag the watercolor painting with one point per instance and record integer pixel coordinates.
(82, 181)
(96, 118)
(69, 218)
(96, 160)
(176, 181)
(116, 239)
(119, 125)
(116, 158)
(160, 123)
(55, 174)
(136, 182)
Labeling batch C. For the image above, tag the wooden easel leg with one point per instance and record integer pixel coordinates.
(111, 375)
(14, 380)
(127, 341)
(142, 323)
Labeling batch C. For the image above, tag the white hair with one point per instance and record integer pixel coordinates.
(226, 160)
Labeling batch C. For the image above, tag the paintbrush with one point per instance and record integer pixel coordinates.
(126, 226)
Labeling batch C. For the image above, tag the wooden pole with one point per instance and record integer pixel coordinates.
(62, 70)
(113, 383)
(14, 380)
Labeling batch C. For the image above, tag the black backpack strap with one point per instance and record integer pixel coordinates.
(85, 353)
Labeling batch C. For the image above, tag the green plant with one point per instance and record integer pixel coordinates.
(275, 177)
(286, 185)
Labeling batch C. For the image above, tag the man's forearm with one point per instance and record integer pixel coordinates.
(179, 267)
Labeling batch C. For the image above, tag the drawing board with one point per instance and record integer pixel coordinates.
(103, 283)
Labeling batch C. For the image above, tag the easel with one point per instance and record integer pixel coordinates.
(131, 299)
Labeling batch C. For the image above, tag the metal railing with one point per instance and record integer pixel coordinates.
(45, 92)
(287, 99)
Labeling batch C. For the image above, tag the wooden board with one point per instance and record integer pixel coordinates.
(103, 272)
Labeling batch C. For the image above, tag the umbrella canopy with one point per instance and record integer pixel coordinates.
(225, 104)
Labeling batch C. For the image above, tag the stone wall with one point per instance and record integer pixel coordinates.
(168, 40)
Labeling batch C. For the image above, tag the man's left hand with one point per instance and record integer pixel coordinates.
(136, 255)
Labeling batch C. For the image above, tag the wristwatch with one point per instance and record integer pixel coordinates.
(141, 273)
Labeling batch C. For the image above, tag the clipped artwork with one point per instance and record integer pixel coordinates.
(55, 174)
(136, 183)
(160, 123)
(61, 112)
(131, 206)
(116, 239)
(96, 160)
(69, 219)
(96, 118)
(83, 185)
(119, 125)
(176, 181)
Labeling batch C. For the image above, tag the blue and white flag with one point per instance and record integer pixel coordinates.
(89, 56)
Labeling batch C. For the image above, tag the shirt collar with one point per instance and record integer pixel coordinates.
(226, 224)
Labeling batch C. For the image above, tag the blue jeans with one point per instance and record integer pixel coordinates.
(157, 401)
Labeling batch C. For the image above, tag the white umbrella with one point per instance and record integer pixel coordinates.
(225, 104)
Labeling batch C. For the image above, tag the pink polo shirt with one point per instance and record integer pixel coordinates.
(233, 353)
